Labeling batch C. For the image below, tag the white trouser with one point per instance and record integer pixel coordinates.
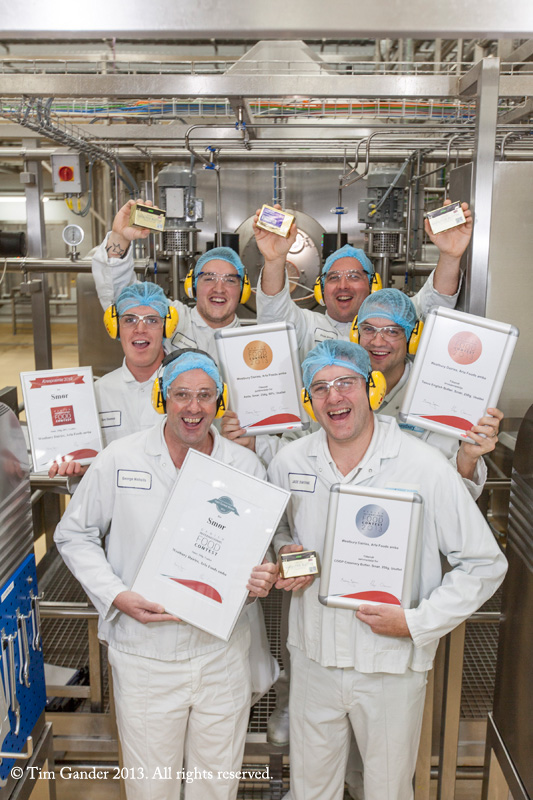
(176, 716)
(385, 712)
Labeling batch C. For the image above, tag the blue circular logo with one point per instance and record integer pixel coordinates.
(372, 521)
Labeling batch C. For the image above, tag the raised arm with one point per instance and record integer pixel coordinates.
(112, 264)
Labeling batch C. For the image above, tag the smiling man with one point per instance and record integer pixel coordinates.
(217, 283)
(347, 278)
(180, 693)
(123, 396)
(366, 671)
(385, 324)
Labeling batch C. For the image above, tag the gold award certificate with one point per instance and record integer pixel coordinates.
(263, 375)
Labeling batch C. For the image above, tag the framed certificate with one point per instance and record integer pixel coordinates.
(458, 371)
(202, 552)
(371, 550)
(261, 368)
(62, 416)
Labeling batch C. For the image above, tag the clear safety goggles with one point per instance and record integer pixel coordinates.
(391, 333)
(132, 320)
(353, 276)
(213, 277)
(342, 385)
(184, 396)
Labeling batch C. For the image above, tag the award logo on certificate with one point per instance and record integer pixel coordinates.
(217, 525)
(62, 416)
(261, 368)
(458, 371)
(371, 550)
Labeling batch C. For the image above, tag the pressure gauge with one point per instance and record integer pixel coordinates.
(73, 235)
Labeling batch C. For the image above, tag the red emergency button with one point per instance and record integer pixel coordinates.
(66, 173)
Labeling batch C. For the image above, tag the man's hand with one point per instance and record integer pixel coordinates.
(293, 584)
(485, 436)
(231, 429)
(136, 606)
(122, 233)
(454, 241)
(262, 579)
(69, 469)
(384, 619)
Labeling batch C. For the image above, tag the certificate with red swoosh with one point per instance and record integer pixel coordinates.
(62, 416)
(371, 548)
(458, 372)
(202, 552)
(261, 369)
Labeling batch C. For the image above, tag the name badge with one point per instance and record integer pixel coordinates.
(110, 419)
(414, 429)
(133, 479)
(300, 482)
(181, 341)
(321, 335)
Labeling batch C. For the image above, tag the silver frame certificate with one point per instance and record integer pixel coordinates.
(217, 525)
(261, 368)
(372, 547)
(62, 416)
(458, 371)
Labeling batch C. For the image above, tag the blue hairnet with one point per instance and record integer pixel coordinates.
(349, 252)
(142, 294)
(219, 254)
(335, 352)
(389, 304)
(189, 361)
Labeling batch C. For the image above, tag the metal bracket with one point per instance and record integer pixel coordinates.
(21, 756)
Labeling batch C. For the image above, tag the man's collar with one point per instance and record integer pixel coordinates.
(201, 323)
(385, 443)
(128, 376)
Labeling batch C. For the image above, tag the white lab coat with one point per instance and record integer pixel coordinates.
(452, 525)
(313, 327)
(162, 665)
(111, 275)
(124, 404)
(104, 532)
(344, 675)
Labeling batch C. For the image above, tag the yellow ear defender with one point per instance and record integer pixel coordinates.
(188, 285)
(111, 320)
(158, 400)
(414, 339)
(376, 389)
(246, 288)
(308, 406)
(412, 342)
(374, 284)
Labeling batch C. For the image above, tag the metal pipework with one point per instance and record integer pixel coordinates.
(65, 265)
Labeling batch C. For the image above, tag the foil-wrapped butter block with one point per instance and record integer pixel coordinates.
(151, 217)
(276, 221)
(296, 565)
(446, 217)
